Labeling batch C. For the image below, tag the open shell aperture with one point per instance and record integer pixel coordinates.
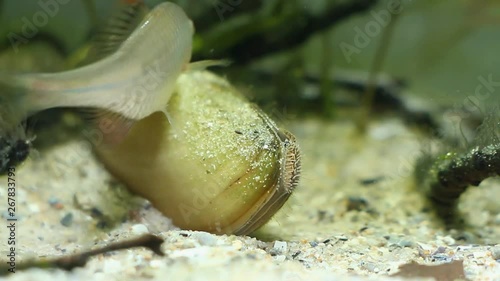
(221, 166)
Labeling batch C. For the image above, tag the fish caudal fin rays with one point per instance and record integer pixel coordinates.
(118, 28)
(112, 127)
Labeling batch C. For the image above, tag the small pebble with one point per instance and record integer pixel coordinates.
(341, 238)
(448, 240)
(96, 213)
(280, 247)
(58, 206)
(280, 258)
(33, 208)
(67, 220)
(356, 203)
(52, 201)
(440, 250)
(405, 243)
(55, 203)
(139, 229)
(370, 266)
(237, 245)
(480, 254)
(441, 258)
(497, 219)
(156, 263)
(204, 238)
(495, 252)
(5, 215)
(112, 266)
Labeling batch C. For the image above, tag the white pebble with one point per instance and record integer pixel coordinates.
(448, 240)
(139, 229)
(112, 266)
(156, 263)
(497, 219)
(280, 247)
(237, 245)
(495, 252)
(480, 254)
(204, 238)
(280, 258)
(33, 208)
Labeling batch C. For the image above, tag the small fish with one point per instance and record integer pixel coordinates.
(134, 78)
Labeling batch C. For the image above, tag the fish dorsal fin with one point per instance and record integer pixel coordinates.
(127, 17)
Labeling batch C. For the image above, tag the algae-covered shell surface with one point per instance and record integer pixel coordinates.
(219, 165)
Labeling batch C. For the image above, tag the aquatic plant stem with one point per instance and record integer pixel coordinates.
(380, 55)
(452, 176)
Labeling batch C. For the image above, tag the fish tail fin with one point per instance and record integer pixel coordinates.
(112, 127)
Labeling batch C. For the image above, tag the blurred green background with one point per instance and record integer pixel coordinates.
(439, 47)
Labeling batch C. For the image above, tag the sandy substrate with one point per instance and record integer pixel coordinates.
(356, 215)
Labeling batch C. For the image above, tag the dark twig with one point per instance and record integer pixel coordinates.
(68, 263)
(279, 33)
(453, 177)
(446, 177)
(380, 56)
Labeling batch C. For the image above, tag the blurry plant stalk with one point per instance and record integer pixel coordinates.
(221, 165)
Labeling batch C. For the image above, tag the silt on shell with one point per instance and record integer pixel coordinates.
(221, 166)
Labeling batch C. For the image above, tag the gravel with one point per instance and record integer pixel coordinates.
(318, 234)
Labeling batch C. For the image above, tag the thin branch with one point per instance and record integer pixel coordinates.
(269, 35)
(70, 262)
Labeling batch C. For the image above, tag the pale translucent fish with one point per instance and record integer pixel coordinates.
(135, 80)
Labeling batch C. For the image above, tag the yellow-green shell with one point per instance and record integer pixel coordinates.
(221, 166)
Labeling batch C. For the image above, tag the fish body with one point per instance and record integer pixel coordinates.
(135, 80)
